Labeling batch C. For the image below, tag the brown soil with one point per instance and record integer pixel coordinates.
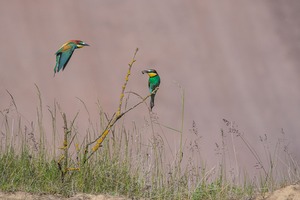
(27, 196)
(291, 192)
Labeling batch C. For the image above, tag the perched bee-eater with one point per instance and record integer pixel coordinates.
(153, 83)
(65, 52)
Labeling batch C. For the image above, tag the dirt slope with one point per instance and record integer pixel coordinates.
(235, 59)
(291, 192)
(22, 195)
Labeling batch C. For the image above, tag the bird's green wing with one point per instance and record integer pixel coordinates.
(62, 58)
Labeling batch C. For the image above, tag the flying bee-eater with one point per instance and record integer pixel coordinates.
(153, 83)
(65, 52)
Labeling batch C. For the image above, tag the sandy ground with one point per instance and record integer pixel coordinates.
(291, 192)
(23, 195)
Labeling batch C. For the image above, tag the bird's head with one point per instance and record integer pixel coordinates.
(79, 43)
(150, 72)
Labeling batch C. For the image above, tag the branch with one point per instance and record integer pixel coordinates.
(111, 123)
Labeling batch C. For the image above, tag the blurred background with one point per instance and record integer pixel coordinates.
(236, 60)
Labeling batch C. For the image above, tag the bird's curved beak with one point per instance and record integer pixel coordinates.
(82, 45)
(144, 71)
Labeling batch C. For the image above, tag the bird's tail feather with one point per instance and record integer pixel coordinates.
(152, 101)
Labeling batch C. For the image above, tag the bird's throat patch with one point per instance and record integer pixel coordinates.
(151, 74)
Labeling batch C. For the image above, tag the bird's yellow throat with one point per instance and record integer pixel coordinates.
(151, 74)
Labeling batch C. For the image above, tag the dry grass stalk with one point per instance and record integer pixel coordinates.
(99, 140)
